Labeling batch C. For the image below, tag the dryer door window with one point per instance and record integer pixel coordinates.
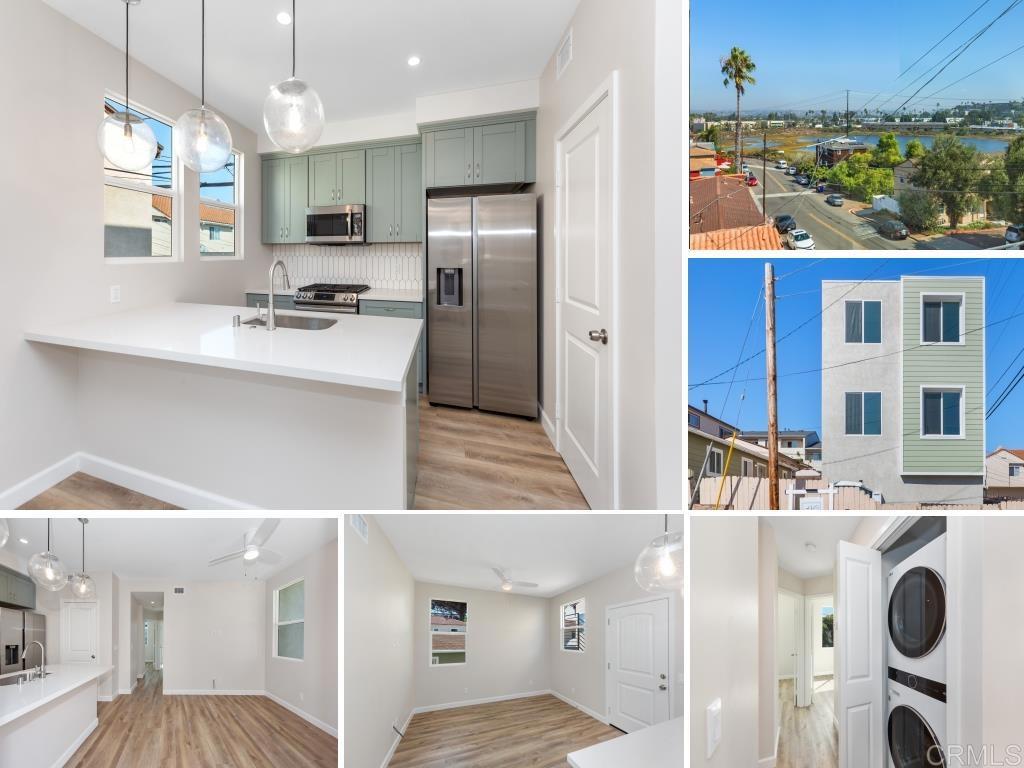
(912, 742)
(917, 612)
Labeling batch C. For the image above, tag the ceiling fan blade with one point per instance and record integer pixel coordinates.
(226, 558)
(499, 573)
(265, 531)
(523, 584)
(268, 557)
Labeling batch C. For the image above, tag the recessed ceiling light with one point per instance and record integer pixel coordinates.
(414, 61)
(810, 546)
(284, 18)
(23, 541)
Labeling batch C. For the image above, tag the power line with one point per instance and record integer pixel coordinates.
(972, 74)
(946, 37)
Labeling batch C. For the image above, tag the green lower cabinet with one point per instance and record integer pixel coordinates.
(410, 309)
(280, 302)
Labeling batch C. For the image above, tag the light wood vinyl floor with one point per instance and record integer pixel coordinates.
(808, 737)
(468, 459)
(146, 729)
(536, 732)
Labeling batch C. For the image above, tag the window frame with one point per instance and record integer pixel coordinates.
(881, 421)
(721, 462)
(693, 420)
(931, 388)
(580, 629)
(238, 207)
(881, 320)
(175, 192)
(1018, 467)
(746, 467)
(761, 470)
(278, 623)
(942, 298)
(431, 633)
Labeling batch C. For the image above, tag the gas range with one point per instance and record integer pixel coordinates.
(330, 297)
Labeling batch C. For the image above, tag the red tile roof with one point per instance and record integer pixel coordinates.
(721, 202)
(207, 213)
(763, 237)
(1018, 452)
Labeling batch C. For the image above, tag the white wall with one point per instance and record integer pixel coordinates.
(310, 685)
(768, 600)
(786, 639)
(724, 638)
(62, 72)
(611, 35)
(379, 592)
(506, 652)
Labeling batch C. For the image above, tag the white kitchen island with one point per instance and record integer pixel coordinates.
(175, 402)
(43, 722)
(660, 746)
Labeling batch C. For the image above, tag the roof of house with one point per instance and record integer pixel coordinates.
(762, 237)
(702, 150)
(804, 434)
(723, 422)
(208, 214)
(721, 202)
(1018, 452)
(749, 448)
(446, 621)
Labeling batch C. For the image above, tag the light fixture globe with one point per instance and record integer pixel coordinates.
(127, 142)
(293, 115)
(83, 587)
(660, 565)
(203, 140)
(46, 570)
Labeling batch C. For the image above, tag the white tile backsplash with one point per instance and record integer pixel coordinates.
(382, 265)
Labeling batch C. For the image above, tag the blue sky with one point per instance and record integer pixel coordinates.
(722, 295)
(865, 49)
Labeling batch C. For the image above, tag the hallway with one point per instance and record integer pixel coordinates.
(808, 737)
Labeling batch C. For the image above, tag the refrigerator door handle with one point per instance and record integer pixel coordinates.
(475, 261)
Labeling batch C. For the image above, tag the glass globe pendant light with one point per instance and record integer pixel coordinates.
(201, 137)
(82, 585)
(293, 114)
(125, 140)
(46, 569)
(660, 565)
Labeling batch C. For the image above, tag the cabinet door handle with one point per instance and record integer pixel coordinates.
(478, 170)
(391, 230)
(469, 171)
(398, 229)
(332, 194)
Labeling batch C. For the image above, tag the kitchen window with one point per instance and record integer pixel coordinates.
(942, 319)
(942, 412)
(715, 462)
(220, 211)
(574, 621)
(140, 208)
(449, 624)
(863, 413)
(863, 322)
(290, 621)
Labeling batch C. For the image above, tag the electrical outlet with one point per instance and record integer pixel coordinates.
(115, 294)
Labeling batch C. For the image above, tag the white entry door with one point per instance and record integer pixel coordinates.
(859, 665)
(585, 236)
(638, 674)
(78, 633)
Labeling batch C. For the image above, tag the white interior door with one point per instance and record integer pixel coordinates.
(78, 633)
(638, 674)
(859, 664)
(585, 235)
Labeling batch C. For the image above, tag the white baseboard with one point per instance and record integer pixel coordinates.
(41, 481)
(394, 744)
(769, 762)
(70, 751)
(304, 715)
(549, 428)
(474, 702)
(217, 692)
(580, 707)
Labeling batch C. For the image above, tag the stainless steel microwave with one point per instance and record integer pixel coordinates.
(336, 224)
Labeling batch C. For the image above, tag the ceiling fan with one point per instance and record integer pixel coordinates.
(253, 546)
(507, 583)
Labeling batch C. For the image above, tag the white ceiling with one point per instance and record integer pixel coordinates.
(151, 601)
(169, 548)
(793, 533)
(557, 552)
(353, 53)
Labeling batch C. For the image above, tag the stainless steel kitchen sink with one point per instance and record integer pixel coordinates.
(295, 321)
(13, 679)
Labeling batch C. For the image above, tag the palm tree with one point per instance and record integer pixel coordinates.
(738, 69)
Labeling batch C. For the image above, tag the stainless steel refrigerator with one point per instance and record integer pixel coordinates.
(17, 631)
(482, 302)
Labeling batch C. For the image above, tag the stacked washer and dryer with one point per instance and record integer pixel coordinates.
(917, 659)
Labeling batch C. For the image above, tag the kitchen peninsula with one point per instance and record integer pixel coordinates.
(176, 401)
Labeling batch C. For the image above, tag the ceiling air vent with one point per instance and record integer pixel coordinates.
(179, 590)
(564, 55)
(360, 526)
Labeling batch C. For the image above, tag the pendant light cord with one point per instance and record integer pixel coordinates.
(293, 39)
(83, 546)
(48, 524)
(202, 59)
(127, 7)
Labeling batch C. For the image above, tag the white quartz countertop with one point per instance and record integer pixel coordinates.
(277, 291)
(660, 746)
(374, 294)
(17, 701)
(358, 351)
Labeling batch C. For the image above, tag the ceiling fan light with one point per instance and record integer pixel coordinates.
(83, 587)
(251, 552)
(506, 587)
(659, 566)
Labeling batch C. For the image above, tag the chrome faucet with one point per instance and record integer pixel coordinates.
(271, 321)
(42, 669)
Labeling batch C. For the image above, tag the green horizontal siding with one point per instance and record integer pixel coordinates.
(942, 365)
(697, 447)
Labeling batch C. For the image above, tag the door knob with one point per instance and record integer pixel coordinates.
(601, 336)
(662, 687)
(661, 676)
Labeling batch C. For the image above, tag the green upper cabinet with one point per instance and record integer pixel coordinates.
(501, 153)
(337, 178)
(285, 195)
(394, 194)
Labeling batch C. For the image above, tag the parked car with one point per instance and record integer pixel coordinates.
(799, 240)
(836, 200)
(784, 223)
(803, 181)
(894, 230)
(751, 180)
(1014, 234)
(781, 165)
(791, 171)
(744, 168)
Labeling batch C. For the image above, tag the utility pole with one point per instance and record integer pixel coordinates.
(764, 178)
(773, 415)
(847, 113)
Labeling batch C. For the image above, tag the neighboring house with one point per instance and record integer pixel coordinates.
(901, 182)
(800, 444)
(762, 237)
(903, 387)
(216, 229)
(703, 161)
(705, 422)
(1004, 474)
(837, 150)
(746, 460)
(723, 215)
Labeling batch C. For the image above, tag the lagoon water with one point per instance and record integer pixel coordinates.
(982, 145)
